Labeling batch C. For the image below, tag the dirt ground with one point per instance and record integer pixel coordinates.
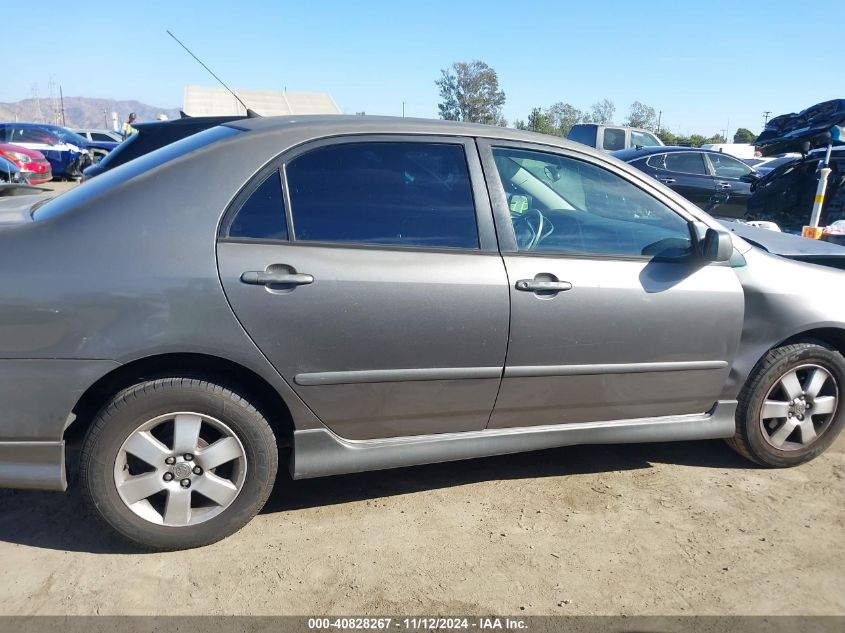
(639, 529)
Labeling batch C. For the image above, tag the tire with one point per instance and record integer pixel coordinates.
(142, 420)
(775, 430)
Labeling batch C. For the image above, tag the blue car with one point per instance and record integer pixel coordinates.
(68, 152)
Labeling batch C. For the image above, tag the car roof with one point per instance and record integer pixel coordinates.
(191, 121)
(342, 124)
(637, 152)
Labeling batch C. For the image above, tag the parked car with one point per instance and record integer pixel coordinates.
(742, 151)
(786, 194)
(766, 164)
(10, 172)
(374, 293)
(66, 157)
(35, 168)
(697, 175)
(835, 233)
(97, 135)
(612, 137)
(152, 136)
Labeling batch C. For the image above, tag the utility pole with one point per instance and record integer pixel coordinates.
(766, 117)
(403, 109)
(659, 116)
(105, 118)
(62, 99)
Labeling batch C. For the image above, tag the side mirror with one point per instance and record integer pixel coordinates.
(717, 246)
(750, 177)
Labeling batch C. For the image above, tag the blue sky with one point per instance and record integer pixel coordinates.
(702, 63)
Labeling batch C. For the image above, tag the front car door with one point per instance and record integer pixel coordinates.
(614, 315)
(366, 270)
(728, 173)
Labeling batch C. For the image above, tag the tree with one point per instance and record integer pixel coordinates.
(601, 112)
(470, 92)
(744, 135)
(561, 117)
(538, 121)
(642, 116)
(667, 137)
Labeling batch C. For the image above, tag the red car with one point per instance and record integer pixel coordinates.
(32, 163)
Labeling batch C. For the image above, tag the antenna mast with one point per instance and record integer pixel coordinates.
(232, 92)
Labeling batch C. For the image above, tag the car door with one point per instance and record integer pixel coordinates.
(614, 315)
(688, 174)
(728, 173)
(374, 284)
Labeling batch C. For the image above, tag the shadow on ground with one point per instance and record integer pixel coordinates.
(59, 521)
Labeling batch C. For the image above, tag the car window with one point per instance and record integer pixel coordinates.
(33, 135)
(614, 139)
(99, 136)
(643, 139)
(395, 193)
(575, 208)
(262, 215)
(686, 163)
(728, 166)
(658, 161)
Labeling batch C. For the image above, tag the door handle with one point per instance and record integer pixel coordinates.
(724, 185)
(534, 285)
(666, 181)
(272, 278)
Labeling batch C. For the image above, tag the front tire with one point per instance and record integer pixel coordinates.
(790, 410)
(178, 463)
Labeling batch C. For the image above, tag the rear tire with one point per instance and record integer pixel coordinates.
(790, 410)
(178, 463)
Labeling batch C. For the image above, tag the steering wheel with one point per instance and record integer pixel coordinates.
(531, 227)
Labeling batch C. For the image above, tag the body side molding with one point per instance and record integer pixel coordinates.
(319, 452)
(527, 371)
(468, 373)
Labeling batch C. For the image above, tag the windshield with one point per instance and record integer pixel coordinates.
(69, 137)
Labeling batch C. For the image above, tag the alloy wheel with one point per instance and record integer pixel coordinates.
(180, 469)
(799, 408)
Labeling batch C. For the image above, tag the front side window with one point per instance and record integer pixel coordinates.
(728, 166)
(686, 163)
(567, 206)
(262, 215)
(391, 193)
(643, 139)
(614, 139)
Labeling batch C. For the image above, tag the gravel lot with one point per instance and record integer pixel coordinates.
(640, 529)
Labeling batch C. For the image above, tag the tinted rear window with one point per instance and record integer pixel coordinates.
(402, 193)
(585, 134)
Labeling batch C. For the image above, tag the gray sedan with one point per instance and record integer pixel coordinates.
(379, 293)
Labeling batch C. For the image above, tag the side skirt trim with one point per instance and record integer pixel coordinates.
(319, 452)
(33, 465)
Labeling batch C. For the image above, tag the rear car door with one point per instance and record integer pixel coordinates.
(614, 315)
(688, 174)
(366, 270)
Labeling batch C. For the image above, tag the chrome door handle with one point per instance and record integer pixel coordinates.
(666, 181)
(265, 278)
(724, 185)
(532, 285)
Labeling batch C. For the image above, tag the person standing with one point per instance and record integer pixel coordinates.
(128, 130)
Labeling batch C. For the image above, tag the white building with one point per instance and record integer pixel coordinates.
(217, 101)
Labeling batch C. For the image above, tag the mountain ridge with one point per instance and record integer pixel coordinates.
(82, 112)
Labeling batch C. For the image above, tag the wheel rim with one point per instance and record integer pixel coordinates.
(799, 408)
(180, 469)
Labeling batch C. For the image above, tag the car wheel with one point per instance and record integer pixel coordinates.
(178, 463)
(791, 410)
